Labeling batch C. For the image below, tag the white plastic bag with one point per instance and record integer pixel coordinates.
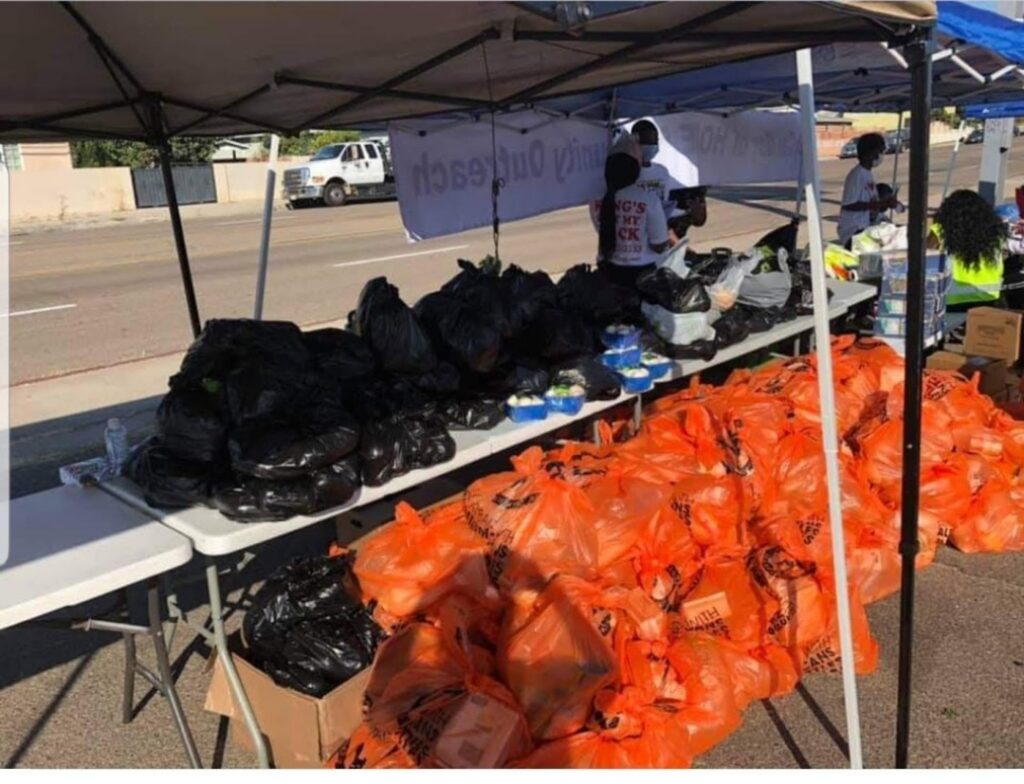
(679, 329)
(768, 289)
(675, 258)
(726, 289)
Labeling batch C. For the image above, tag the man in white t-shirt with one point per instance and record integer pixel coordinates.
(861, 203)
(654, 177)
(640, 227)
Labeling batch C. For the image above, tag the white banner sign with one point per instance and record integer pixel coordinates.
(702, 149)
(444, 171)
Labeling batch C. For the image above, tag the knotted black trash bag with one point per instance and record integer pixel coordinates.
(557, 335)
(590, 293)
(516, 378)
(526, 294)
(270, 450)
(459, 332)
(699, 349)
(471, 414)
(662, 286)
(396, 336)
(307, 630)
(482, 292)
(394, 446)
(731, 329)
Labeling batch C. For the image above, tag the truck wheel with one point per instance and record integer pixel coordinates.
(334, 194)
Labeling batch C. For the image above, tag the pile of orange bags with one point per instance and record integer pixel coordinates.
(620, 605)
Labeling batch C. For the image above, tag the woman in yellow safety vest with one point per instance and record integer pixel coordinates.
(973, 237)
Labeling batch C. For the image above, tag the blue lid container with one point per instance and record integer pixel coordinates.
(621, 336)
(562, 403)
(621, 358)
(636, 380)
(657, 365)
(528, 412)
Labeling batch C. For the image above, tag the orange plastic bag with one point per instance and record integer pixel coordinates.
(425, 692)
(796, 607)
(823, 655)
(668, 562)
(536, 522)
(626, 510)
(994, 522)
(673, 445)
(370, 749)
(800, 483)
(415, 561)
(710, 714)
(711, 508)
(758, 674)
(624, 732)
(557, 652)
(725, 603)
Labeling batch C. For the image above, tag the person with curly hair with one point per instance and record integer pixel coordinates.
(973, 237)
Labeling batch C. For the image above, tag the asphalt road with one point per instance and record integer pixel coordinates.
(96, 297)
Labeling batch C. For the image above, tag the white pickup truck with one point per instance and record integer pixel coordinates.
(339, 173)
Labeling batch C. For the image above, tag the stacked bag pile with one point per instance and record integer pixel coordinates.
(264, 421)
(620, 605)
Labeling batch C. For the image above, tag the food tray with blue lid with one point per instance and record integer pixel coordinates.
(635, 380)
(526, 408)
(565, 399)
(657, 365)
(621, 336)
(621, 358)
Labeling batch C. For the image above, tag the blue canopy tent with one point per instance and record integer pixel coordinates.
(995, 111)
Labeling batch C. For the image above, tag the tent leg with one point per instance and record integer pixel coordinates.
(919, 57)
(826, 391)
(268, 213)
(952, 158)
(164, 148)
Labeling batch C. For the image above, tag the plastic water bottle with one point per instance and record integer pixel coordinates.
(116, 437)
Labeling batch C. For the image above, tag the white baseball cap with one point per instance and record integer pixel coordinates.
(625, 144)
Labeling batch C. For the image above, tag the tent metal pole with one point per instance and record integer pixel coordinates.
(899, 146)
(268, 212)
(163, 147)
(918, 54)
(952, 158)
(826, 391)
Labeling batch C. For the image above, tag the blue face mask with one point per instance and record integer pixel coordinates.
(647, 152)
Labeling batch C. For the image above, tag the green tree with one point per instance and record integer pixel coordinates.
(95, 152)
(308, 142)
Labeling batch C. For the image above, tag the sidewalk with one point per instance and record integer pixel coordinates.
(150, 215)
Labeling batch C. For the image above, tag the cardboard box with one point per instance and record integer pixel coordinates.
(300, 731)
(992, 371)
(995, 333)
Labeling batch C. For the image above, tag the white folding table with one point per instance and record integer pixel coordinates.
(214, 535)
(70, 545)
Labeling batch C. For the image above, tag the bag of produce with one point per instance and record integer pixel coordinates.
(526, 294)
(340, 354)
(459, 332)
(679, 329)
(167, 481)
(415, 561)
(661, 286)
(192, 426)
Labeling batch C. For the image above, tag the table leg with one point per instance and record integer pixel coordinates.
(638, 413)
(128, 696)
(156, 631)
(221, 641)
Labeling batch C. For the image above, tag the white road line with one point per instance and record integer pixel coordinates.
(18, 242)
(239, 222)
(400, 256)
(37, 310)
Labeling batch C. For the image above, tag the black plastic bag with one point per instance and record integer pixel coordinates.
(340, 354)
(662, 286)
(443, 380)
(465, 414)
(760, 319)
(396, 445)
(270, 450)
(557, 335)
(168, 482)
(192, 426)
(599, 382)
(483, 294)
(699, 349)
(591, 293)
(526, 294)
(459, 332)
(251, 500)
(732, 328)
(396, 336)
(306, 630)
(258, 390)
(225, 343)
